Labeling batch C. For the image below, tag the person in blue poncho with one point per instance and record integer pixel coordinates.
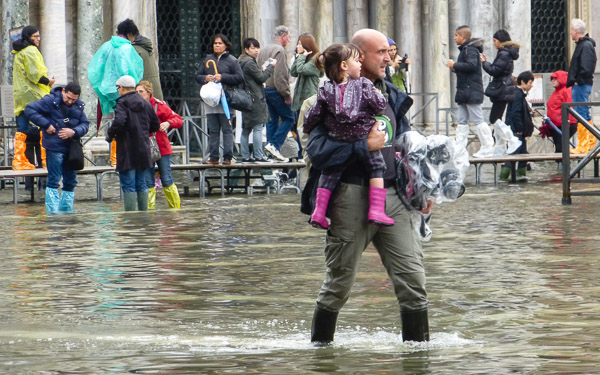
(116, 58)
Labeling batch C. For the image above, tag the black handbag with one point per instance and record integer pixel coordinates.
(495, 88)
(75, 158)
(239, 98)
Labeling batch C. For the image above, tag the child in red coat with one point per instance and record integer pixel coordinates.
(561, 94)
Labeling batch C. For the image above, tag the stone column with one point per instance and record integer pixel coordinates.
(289, 17)
(324, 29)
(458, 14)
(408, 36)
(517, 21)
(269, 19)
(90, 24)
(307, 22)
(436, 77)
(54, 39)
(384, 17)
(357, 16)
(122, 10)
(340, 31)
(250, 19)
(14, 13)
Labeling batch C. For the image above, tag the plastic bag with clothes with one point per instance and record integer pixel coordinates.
(428, 168)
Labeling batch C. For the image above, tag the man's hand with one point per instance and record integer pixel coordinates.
(288, 101)
(209, 78)
(450, 64)
(376, 138)
(164, 126)
(66, 133)
(51, 130)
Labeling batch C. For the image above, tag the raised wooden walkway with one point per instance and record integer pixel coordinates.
(224, 172)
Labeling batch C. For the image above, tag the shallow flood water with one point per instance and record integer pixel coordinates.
(227, 285)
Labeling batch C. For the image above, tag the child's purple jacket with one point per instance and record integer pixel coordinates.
(355, 119)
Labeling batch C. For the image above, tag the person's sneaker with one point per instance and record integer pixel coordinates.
(273, 151)
(263, 160)
(248, 160)
(228, 162)
(212, 162)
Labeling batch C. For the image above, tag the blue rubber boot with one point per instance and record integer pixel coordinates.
(52, 201)
(66, 201)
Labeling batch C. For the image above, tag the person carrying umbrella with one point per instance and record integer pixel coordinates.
(220, 67)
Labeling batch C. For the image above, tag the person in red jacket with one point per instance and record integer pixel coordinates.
(561, 94)
(168, 120)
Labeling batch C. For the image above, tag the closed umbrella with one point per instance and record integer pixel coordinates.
(223, 97)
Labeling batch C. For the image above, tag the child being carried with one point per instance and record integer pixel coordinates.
(347, 105)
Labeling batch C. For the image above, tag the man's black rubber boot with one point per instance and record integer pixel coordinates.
(323, 327)
(415, 325)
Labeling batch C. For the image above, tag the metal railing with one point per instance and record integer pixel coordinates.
(568, 174)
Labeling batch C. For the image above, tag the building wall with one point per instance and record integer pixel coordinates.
(422, 28)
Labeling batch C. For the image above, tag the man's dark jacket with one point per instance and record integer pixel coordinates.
(325, 152)
(583, 62)
(47, 111)
(134, 120)
(469, 82)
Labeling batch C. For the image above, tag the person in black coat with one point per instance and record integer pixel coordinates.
(501, 89)
(469, 91)
(134, 120)
(518, 117)
(581, 78)
(221, 67)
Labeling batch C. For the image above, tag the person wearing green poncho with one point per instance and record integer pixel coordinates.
(116, 58)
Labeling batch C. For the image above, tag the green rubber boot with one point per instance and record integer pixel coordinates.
(142, 200)
(504, 173)
(522, 174)
(130, 201)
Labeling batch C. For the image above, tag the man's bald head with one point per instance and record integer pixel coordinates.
(374, 47)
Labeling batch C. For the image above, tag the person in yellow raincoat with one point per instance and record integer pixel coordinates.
(114, 59)
(30, 83)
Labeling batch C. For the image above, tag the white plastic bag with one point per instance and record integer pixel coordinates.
(211, 93)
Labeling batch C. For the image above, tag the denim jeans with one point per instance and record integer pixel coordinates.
(256, 142)
(581, 93)
(218, 123)
(25, 127)
(133, 180)
(57, 168)
(276, 132)
(164, 169)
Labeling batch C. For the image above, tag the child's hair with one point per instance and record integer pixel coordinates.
(330, 60)
(525, 76)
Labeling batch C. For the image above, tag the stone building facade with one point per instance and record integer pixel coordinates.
(72, 30)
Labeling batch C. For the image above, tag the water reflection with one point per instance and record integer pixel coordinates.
(228, 286)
